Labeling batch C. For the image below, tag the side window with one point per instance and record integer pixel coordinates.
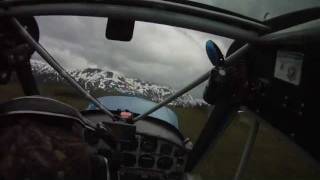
(273, 155)
(11, 90)
(192, 120)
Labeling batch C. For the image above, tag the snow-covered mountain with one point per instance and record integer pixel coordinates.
(94, 79)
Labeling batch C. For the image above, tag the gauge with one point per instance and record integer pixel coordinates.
(166, 149)
(148, 144)
(179, 152)
(128, 159)
(146, 161)
(164, 163)
(129, 145)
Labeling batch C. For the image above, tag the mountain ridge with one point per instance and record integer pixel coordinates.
(95, 79)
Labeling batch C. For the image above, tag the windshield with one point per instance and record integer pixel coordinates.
(261, 10)
(157, 62)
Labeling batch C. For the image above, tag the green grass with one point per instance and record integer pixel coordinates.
(273, 157)
(62, 93)
(65, 94)
(8, 92)
(191, 121)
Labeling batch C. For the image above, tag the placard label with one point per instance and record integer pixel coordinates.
(289, 66)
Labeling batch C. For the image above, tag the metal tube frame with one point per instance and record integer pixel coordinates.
(233, 58)
(140, 13)
(55, 65)
(187, 88)
(183, 7)
(249, 144)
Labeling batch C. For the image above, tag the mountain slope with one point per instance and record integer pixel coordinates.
(94, 79)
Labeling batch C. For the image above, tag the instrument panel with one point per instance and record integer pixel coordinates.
(155, 152)
(161, 158)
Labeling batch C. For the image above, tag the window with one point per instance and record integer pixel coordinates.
(157, 62)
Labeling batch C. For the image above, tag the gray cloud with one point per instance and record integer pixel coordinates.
(157, 53)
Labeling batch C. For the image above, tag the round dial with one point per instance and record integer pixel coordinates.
(149, 144)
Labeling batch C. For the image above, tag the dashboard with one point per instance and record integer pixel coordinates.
(149, 149)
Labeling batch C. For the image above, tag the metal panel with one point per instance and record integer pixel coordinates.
(156, 15)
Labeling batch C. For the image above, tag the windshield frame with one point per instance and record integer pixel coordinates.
(161, 15)
(246, 14)
(186, 7)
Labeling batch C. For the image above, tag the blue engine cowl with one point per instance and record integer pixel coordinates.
(137, 105)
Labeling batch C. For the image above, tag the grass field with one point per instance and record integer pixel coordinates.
(273, 157)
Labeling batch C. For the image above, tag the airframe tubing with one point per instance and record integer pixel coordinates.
(195, 83)
(55, 65)
(166, 5)
(233, 58)
(248, 146)
(156, 15)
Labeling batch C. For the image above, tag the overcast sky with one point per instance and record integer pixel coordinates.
(157, 53)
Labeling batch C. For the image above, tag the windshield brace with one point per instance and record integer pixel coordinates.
(230, 60)
(55, 65)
